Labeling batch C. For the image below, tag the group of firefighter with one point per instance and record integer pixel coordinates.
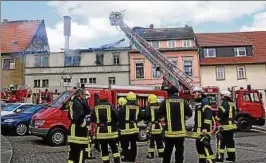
(118, 129)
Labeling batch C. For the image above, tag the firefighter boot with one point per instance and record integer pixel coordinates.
(160, 155)
(220, 157)
(231, 156)
(150, 155)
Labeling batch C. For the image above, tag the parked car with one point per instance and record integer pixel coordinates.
(14, 108)
(18, 123)
(3, 104)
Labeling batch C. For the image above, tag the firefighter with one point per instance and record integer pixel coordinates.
(225, 117)
(88, 153)
(203, 126)
(174, 111)
(77, 136)
(155, 127)
(128, 119)
(121, 108)
(105, 117)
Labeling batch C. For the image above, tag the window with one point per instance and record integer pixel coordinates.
(99, 59)
(186, 43)
(155, 44)
(111, 80)
(188, 67)
(83, 80)
(67, 80)
(251, 97)
(171, 44)
(72, 60)
(220, 73)
(156, 74)
(208, 53)
(9, 64)
(116, 58)
(41, 61)
(241, 74)
(174, 61)
(37, 84)
(139, 70)
(45, 83)
(92, 80)
(240, 51)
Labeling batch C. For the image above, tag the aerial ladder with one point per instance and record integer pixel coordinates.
(170, 71)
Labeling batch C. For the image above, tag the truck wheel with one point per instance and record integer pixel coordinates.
(244, 124)
(57, 137)
(21, 129)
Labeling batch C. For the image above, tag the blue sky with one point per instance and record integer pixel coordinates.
(86, 18)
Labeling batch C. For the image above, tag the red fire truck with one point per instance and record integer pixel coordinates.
(19, 93)
(52, 123)
(46, 97)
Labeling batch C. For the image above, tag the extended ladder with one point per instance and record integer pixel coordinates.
(169, 70)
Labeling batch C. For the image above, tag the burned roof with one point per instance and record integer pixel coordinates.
(158, 34)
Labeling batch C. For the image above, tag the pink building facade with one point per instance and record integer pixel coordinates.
(182, 53)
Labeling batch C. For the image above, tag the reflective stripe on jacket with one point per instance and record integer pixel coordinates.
(128, 120)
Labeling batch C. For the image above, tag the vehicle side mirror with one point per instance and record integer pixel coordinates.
(65, 106)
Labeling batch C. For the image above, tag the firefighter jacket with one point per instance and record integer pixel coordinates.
(174, 111)
(128, 117)
(106, 120)
(226, 114)
(203, 118)
(78, 128)
(151, 116)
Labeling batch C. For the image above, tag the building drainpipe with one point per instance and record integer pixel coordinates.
(23, 66)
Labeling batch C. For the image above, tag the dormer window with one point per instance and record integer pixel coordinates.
(240, 51)
(210, 53)
(171, 44)
(187, 43)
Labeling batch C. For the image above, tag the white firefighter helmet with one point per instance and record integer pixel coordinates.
(87, 94)
(198, 89)
(11, 85)
(226, 93)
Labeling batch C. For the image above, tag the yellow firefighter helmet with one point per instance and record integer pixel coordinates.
(152, 99)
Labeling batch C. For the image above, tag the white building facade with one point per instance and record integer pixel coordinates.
(57, 71)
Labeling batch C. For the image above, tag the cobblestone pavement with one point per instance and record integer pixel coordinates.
(251, 147)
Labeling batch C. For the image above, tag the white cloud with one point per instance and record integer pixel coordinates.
(95, 28)
(259, 23)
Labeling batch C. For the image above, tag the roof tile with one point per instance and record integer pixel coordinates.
(16, 35)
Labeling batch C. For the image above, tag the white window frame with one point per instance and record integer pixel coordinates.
(192, 72)
(155, 77)
(138, 62)
(39, 83)
(152, 44)
(173, 60)
(116, 58)
(218, 73)
(239, 77)
(184, 43)
(12, 61)
(83, 80)
(91, 80)
(111, 80)
(206, 53)
(171, 42)
(238, 49)
(45, 86)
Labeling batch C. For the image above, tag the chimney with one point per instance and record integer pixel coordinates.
(67, 31)
(151, 26)
(5, 20)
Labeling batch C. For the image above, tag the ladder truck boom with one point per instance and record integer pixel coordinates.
(171, 72)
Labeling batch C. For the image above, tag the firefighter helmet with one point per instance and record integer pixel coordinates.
(103, 95)
(152, 99)
(131, 96)
(198, 89)
(11, 85)
(122, 101)
(226, 93)
(87, 94)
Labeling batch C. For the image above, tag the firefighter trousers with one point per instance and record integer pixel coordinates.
(155, 138)
(226, 144)
(78, 141)
(169, 145)
(205, 153)
(126, 141)
(113, 143)
(88, 150)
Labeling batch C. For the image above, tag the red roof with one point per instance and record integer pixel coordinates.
(257, 39)
(17, 35)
